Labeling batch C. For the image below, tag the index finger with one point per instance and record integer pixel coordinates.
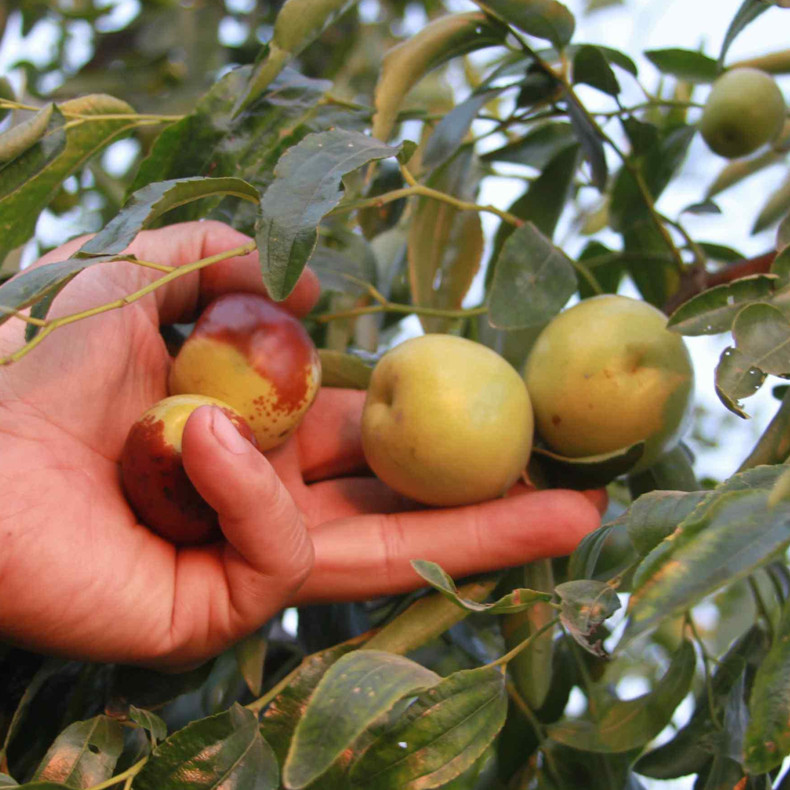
(367, 556)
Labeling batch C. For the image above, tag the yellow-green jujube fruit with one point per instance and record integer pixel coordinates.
(606, 374)
(446, 421)
(744, 110)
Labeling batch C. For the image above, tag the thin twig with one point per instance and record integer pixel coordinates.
(174, 274)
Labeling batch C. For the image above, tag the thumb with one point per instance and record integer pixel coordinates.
(270, 553)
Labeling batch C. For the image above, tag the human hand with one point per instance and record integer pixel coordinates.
(80, 577)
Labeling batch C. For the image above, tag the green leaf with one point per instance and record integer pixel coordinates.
(762, 335)
(781, 268)
(344, 262)
(31, 285)
(746, 14)
(736, 378)
(543, 202)
(649, 260)
(353, 693)
(149, 721)
(656, 515)
(723, 540)
(440, 735)
(768, 733)
(740, 169)
(605, 265)
(84, 754)
(775, 207)
(20, 208)
(713, 311)
(585, 604)
(27, 148)
(684, 64)
(280, 718)
(405, 64)
(7, 781)
(536, 148)
(592, 471)
(691, 748)
(6, 90)
(657, 155)
(210, 142)
(49, 668)
(591, 67)
(226, 750)
(721, 252)
(671, 471)
(633, 723)
(452, 129)
(590, 139)
(147, 688)
(307, 186)
(783, 238)
(531, 669)
(532, 282)
(147, 204)
(298, 24)
(514, 601)
(427, 618)
(545, 19)
(584, 561)
(445, 244)
(250, 656)
(339, 369)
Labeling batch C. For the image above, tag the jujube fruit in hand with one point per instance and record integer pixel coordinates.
(446, 421)
(606, 374)
(744, 110)
(153, 475)
(255, 356)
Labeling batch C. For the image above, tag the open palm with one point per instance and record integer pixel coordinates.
(79, 576)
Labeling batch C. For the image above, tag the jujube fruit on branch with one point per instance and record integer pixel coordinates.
(744, 110)
(606, 374)
(446, 421)
(255, 356)
(153, 475)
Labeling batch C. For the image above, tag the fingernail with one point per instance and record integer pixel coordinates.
(226, 433)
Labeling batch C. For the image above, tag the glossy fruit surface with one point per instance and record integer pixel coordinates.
(256, 357)
(606, 374)
(446, 421)
(744, 110)
(153, 475)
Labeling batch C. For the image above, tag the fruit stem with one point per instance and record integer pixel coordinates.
(129, 773)
(423, 191)
(405, 309)
(504, 660)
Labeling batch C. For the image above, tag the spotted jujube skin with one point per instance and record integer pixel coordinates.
(153, 475)
(256, 357)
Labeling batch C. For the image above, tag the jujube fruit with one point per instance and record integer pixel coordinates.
(744, 110)
(606, 374)
(255, 356)
(446, 421)
(153, 475)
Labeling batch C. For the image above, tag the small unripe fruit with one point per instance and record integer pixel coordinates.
(744, 110)
(255, 356)
(153, 475)
(446, 421)
(606, 374)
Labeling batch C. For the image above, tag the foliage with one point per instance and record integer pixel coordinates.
(334, 138)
